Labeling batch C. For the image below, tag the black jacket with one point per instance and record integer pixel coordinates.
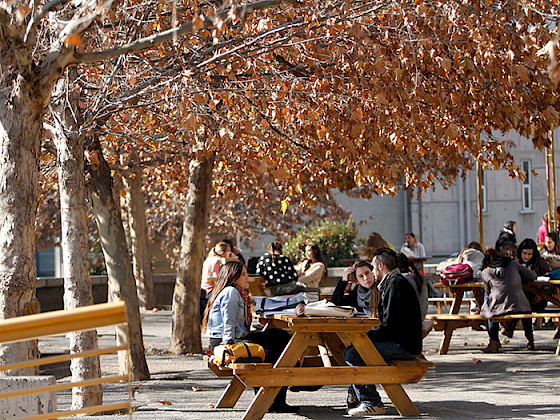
(399, 314)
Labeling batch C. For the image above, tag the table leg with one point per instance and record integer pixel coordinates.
(457, 300)
(293, 351)
(336, 346)
(446, 339)
(395, 392)
(232, 393)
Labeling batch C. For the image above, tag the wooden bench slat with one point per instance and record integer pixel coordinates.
(339, 375)
(477, 317)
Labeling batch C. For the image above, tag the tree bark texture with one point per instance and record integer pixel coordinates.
(141, 258)
(74, 240)
(185, 334)
(21, 115)
(117, 259)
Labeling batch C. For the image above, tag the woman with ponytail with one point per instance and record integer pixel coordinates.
(227, 320)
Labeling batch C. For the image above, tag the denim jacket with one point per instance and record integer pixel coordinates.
(226, 319)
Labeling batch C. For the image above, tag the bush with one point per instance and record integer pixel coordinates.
(335, 239)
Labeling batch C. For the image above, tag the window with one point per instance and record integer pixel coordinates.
(526, 186)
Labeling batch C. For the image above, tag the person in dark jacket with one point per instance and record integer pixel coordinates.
(528, 255)
(508, 231)
(502, 277)
(399, 334)
(355, 288)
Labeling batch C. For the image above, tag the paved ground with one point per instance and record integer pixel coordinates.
(465, 384)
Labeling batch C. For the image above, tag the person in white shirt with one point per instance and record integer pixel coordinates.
(412, 247)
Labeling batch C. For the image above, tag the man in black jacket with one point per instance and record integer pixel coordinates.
(399, 335)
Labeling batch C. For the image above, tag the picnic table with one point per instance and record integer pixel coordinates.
(334, 334)
(453, 320)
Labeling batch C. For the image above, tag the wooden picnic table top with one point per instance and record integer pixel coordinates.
(358, 323)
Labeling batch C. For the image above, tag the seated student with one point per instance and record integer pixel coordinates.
(355, 288)
(227, 319)
(473, 256)
(502, 277)
(312, 269)
(210, 270)
(411, 273)
(278, 271)
(373, 243)
(412, 247)
(551, 250)
(235, 251)
(399, 335)
(528, 255)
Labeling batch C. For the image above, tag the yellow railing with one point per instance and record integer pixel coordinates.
(61, 322)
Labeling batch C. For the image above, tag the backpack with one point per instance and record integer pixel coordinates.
(456, 273)
(243, 352)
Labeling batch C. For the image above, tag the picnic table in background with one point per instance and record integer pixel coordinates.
(452, 321)
(334, 334)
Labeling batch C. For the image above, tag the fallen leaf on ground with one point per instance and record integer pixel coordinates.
(466, 344)
(165, 402)
(476, 361)
(210, 405)
(481, 344)
(196, 389)
(505, 341)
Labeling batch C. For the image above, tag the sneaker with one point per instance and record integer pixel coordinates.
(530, 345)
(367, 410)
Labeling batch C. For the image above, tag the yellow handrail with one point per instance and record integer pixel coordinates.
(61, 322)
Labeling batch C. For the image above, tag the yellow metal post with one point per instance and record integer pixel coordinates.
(553, 164)
(547, 166)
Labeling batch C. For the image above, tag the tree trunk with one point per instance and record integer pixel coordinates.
(21, 115)
(141, 259)
(117, 259)
(185, 334)
(74, 241)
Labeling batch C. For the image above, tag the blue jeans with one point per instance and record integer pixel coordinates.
(389, 350)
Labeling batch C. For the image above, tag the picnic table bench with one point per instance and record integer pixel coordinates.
(453, 320)
(333, 334)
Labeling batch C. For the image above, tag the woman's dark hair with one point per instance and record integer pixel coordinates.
(405, 266)
(274, 247)
(229, 274)
(509, 225)
(317, 256)
(503, 242)
(528, 243)
(474, 245)
(363, 263)
(554, 237)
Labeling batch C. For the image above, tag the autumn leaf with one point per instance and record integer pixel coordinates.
(74, 40)
(284, 206)
(198, 22)
(165, 402)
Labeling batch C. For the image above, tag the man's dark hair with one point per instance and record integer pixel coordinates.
(387, 256)
(410, 234)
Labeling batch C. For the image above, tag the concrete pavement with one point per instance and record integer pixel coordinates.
(465, 384)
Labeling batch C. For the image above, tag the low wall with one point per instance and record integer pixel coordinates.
(50, 290)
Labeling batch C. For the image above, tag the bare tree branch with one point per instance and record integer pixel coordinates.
(169, 35)
(40, 15)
